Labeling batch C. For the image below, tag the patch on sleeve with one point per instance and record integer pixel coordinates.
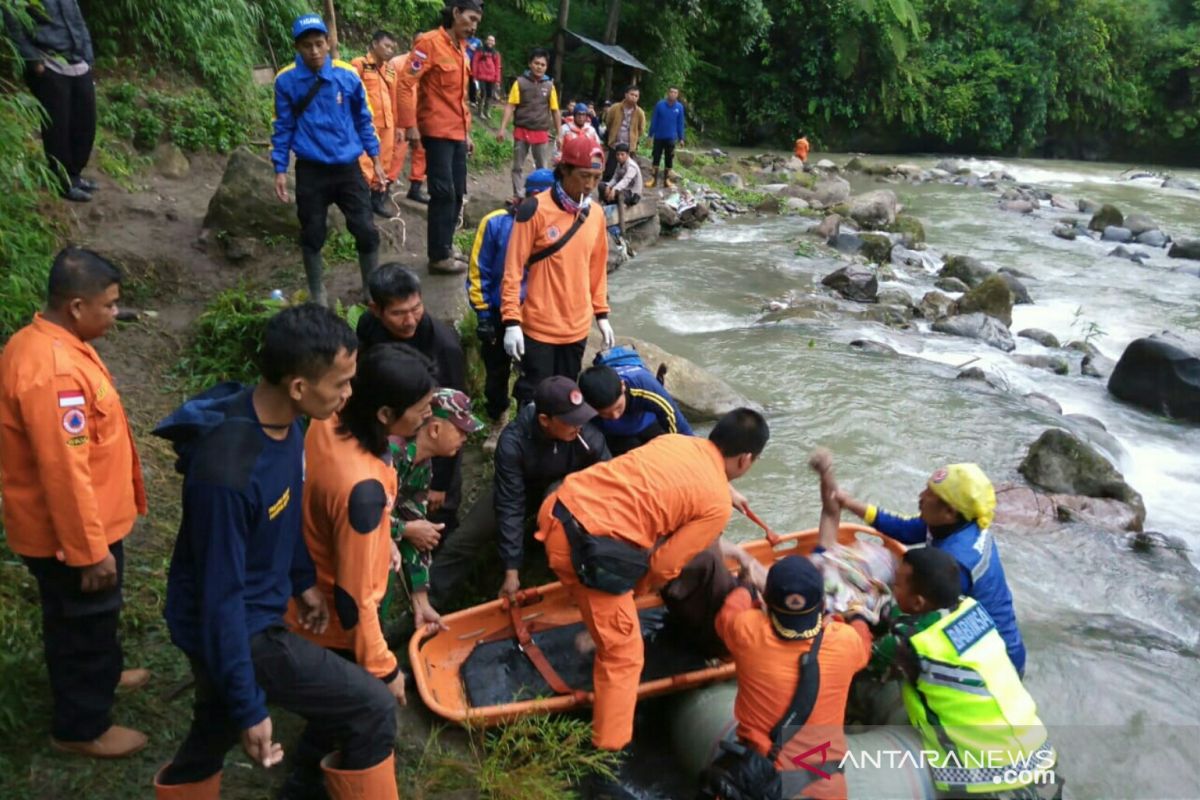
(74, 421)
(968, 629)
(526, 210)
(346, 608)
(368, 503)
(70, 399)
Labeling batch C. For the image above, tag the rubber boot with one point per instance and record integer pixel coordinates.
(381, 204)
(667, 182)
(207, 789)
(416, 193)
(373, 783)
(314, 270)
(650, 184)
(367, 263)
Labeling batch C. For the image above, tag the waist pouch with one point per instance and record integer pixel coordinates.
(741, 773)
(602, 563)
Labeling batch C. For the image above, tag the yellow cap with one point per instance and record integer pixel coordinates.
(967, 490)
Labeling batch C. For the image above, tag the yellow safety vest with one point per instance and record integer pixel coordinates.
(970, 707)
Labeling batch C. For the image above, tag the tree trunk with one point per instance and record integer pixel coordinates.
(610, 37)
(560, 41)
(331, 23)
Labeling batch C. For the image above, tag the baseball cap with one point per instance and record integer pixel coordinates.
(308, 22)
(539, 180)
(455, 406)
(559, 397)
(580, 108)
(582, 152)
(966, 489)
(795, 597)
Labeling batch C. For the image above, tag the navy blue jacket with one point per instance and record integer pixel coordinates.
(486, 270)
(646, 401)
(240, 554)
(667, 121)
(337, 126)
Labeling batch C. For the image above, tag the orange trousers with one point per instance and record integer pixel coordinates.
(399, 153)
(387, 139)
(613, 622)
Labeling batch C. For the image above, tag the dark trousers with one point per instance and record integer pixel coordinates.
(498, 367)
(473, 90)
(610, 164)
(446, 175)
(487, 93)
(663, 147)
(82, 649)
(70, 128)
(619, 445)
(694, 598)
(626, 196)
(319, 186)
(344, 702)
(460, 550)
(543, 361)
(447, 514)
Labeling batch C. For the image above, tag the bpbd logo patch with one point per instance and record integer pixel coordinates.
(968, 629)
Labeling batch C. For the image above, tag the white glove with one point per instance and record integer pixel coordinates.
(514, 342)
(606, 332)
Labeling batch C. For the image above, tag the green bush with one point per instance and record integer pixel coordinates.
(192, 119)
(224, 340)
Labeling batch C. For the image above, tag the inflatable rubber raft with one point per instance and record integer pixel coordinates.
(501, 661)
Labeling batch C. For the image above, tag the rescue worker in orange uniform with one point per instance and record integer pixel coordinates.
(801, 148)
(378, 75)
(653, 509)
(405, 115)
(72, 488)
(557, 253)
(439, 68)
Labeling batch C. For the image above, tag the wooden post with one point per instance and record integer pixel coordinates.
(560, 41)
(331, 23)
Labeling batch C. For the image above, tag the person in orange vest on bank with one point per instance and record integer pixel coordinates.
(72, 488)
(379, 77)
(439, 69)
(800, 149)
(405, 115)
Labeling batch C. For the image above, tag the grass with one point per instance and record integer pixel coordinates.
(224, 340)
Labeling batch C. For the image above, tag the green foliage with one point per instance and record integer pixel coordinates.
(339, 248)
(224, 340)
(192, 119)
(489, 154)
(538, 758)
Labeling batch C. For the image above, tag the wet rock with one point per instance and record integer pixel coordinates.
(1121, 251)
(732, 180)
(1181, 183)
(794, 204)
(1016, 273)
(969, 270)
(915, 259)
(1058, 201)
(806, 307)
(848, 242)
(854, 282)
(1157, 373)
(992, 297)
(1152, 239)
(1043, 403)
(1140, 223)
(978, 325)
(1018, 206)
(1061, 463)
(1108, 215)
(830, 191)
(768, 205)
(935, 306)
(825, 163)
(1095, 365)
(869, 346)
(855, 164)
(876, 248)
(1025, 508)
(829, 227)
(668, 217)
(239, 248)
(951, 285)
(245, 203)
(951, 166)
(892, 316)
(893, 296)
(1064, 231)
(1185, 248)
(876, 209)
(1056, 364)
(1087, 422)
(1088, 206)
(1044, 338)
(643, 233)
(695, 216)
(910, 228)
(1019, 292)
(1112, 233)
(170, 161)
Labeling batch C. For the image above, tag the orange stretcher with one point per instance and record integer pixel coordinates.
(515, 677)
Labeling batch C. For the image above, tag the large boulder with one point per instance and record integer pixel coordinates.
(910, 228)
(479, 204)
(970, 271)
(245, 203)
(874, 209)
(1152, 239)
(1159, 374)
(876, 247)
(828, 227)
(978, 325)
(1056, 364)
(992, 297)
(948, 284)
(1019, 292)
(1028, 509)
(854, 282)
(935, 306)
(1185, 248)
(1106, 216)
(1061, 463)
(702, 395)
(1140, 223)
(1113, 233)
(171, 162)
(1065, 231)
(830, 191)
(732, 180)
(1044, 338)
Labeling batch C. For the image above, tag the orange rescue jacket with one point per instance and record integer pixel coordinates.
(69, 469)
(348, 495)
(439, 71)
(565, 291)
(801, 148)
(673, 488)
(380, 83)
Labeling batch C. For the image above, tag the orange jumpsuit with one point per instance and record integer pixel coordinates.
(670, 495)
(437, 76)
(801, 148)
(565, 291)
(69, 470)
(348, 493)
(405, 114)
(768, 669)
(380, 83)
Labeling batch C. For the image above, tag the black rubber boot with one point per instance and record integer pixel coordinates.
(416, 193)
(367, 264)
(314, 270)
(381, 204)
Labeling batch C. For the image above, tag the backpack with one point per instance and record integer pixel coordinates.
(622, 356)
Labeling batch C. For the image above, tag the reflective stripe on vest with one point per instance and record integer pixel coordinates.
(969, 706)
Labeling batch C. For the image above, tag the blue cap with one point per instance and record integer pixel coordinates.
(539, 180)
(795, 597)
(580, 108)
(308, 22)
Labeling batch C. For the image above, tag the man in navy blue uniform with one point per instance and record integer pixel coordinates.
(632, 406)
(322, 114)
(239, 558)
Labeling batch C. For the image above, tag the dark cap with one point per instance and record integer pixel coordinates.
(795, 597)
(559, 397)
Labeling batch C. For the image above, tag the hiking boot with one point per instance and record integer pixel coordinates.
(493, 438)
(447, 266)
(133, 679)
(83, 183)
(416, 193)
(652, 182)
(116, 742)
(667, 182)
(77, 195)
(381, 204)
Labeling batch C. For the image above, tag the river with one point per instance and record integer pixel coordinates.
(1112, 633)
